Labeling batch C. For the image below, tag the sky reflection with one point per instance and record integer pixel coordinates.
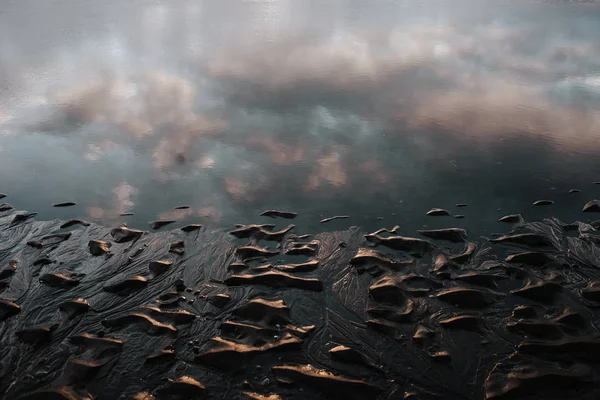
(319, 107)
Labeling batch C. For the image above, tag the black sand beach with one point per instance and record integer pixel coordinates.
(262, 312)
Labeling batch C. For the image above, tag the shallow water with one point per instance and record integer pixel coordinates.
(323, 108)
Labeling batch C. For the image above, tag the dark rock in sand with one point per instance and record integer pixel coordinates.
(238, 266)
(254, 251)
(19, 218)
(525, 239)
(56, 238)
(122, 234)
(75, 307)
(524, 311)
(366, 257)
(73, 222)
(169, 299)
(388, 288)
(243, 331)
(444, 266)
(539, 328)
(127, 286)
(37, 334)
(423, 333)
(398, 314)
(540, 291)
(184, 387)
(177, 247)
(270, 311)
(99, 247)
(571, 319)
(511, 219)
(126, 214)
(574, 191)
(461, 205)
(159, 224)
(219, 300)
(325, 381)
(543, 202)
(191, 227)
(534, 258)
(592, 206)
(9, 270)
(592, 292)
(347, 354)
(8, 309)
(173, 317)
(93, 342)
(59, 280)
(139, 320)
(438, 212)
(466, 297)
(184, 207)
(487, 279)
(258, 396)
(466, 254)
(463, 322)
(458, 216)
(413, 246)
(302, 248)
(279, 214)
(82, 370)
(417, 285)
(162, 355)
(308, 266)
(260, 232)
(143, 396)
(231, 355)
(334, 218)
(35, 244)
(158, 267)
(275, 279)
(64, 204)
(42, 261)
(5, 207)
(441, 356)
(455, 235)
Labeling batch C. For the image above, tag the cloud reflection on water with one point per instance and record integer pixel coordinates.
(291, 100)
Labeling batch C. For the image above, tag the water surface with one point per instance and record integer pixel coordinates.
(379, 111)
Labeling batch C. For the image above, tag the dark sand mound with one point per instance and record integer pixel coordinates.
(266, 312)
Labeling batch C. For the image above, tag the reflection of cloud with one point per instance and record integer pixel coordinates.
(494, 109)
(210, 212)
(279, 153)
(137, 104)
(235, 187)
(327, 94)
(329, 169)
(481, 86)
(97, 149)
(121, 203)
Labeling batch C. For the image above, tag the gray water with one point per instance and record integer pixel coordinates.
(376, 110)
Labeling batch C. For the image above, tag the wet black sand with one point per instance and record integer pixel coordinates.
(269, 312)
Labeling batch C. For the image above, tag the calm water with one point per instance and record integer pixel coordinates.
(378, 110)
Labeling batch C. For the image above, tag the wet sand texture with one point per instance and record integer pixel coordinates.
(270, 313)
